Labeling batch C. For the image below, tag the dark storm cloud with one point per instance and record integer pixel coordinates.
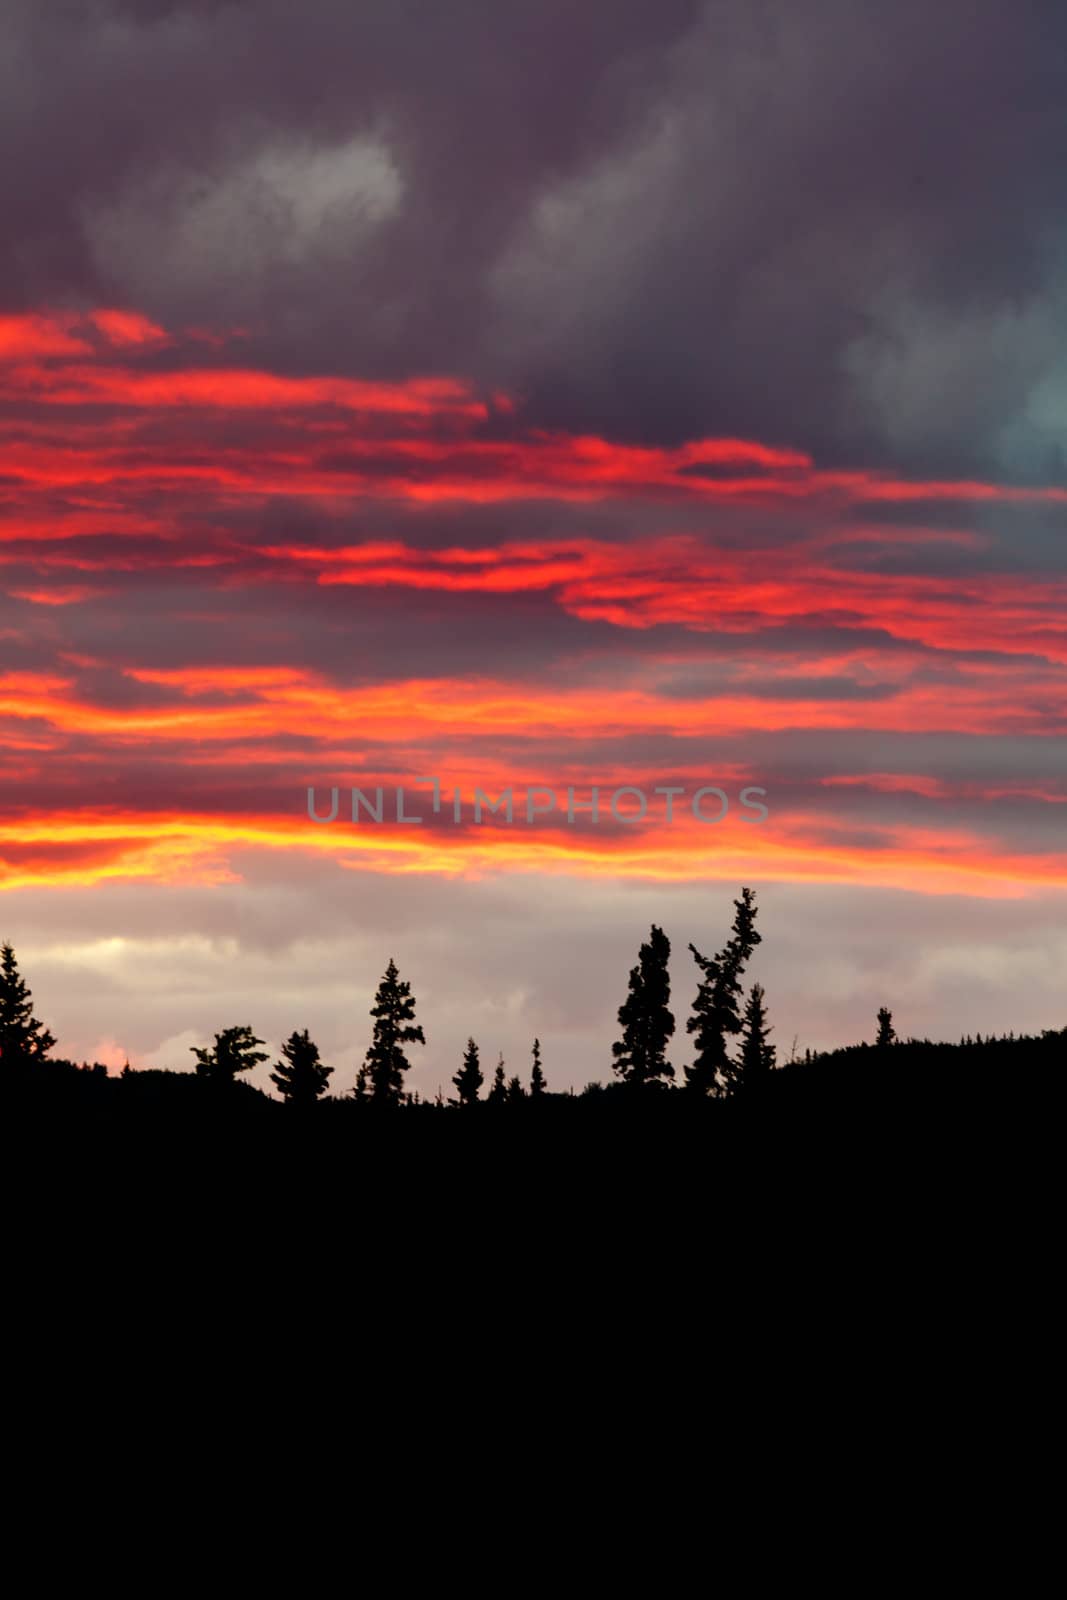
(291, 134)
(814, 754)
(1004, 537)
(837, 225)
(703, 686)
(352, 635)
(364, 635)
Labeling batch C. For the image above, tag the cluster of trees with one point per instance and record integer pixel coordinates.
(731, 1051)
(640, 1055)
(504, 1090)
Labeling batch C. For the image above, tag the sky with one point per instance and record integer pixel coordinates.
(643, 394)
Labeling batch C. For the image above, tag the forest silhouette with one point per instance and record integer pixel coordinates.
(733, 1069)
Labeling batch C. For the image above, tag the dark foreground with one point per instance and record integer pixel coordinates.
(914, 1101)
(863, 1195)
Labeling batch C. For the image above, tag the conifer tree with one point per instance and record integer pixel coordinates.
(394, 1026)
(301, 1077)
(715, 1009)
(886, 1032)
(234, 1051)
(537, 1077)
(645, 1018)
(757, 1057)
(516, 1092)
(23, 1039)
(468, 1079)
(498, 1092)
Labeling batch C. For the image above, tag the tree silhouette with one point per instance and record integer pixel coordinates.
(645, 1017)
(537, 1077)
(394, 1026)
(498, 1093)
(23, 1039)
(715, 1013)
(301, 1077)
(468, 1079)
(234, 1051)
(516, 1092)
(886, 1032)
(757, 1057)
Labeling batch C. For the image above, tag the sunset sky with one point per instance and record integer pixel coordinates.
(620, 393)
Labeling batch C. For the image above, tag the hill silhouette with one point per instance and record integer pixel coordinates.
(738, 1106)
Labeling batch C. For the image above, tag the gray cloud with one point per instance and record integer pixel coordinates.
(303, 944)
(833, 225)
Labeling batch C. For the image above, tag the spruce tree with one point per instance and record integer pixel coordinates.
(468, 1079)
(715, 1009)
(537, 1077)
(23, 1040)
(757, 1058)
(394, 1026)
(516, 1092)
(886, 1032)
(234, 1051)
(498, 1092)
(645, 1017)
(301, 1077)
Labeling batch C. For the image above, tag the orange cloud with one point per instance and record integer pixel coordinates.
(129, 455)
(326, 435)
(87, 848)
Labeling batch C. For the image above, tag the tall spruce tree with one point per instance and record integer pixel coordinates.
(468, 1079)
(757, 1058)
(886, 1032)
(23, 1039)
(234, 1051)
(300, 1077)
(394, 1026)
(715, 1009)
(537, 1077)
(640, 1056)
(498, 1091)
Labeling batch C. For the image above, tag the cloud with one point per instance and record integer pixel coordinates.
(992, 366)
(248, 230)
(663, 223)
